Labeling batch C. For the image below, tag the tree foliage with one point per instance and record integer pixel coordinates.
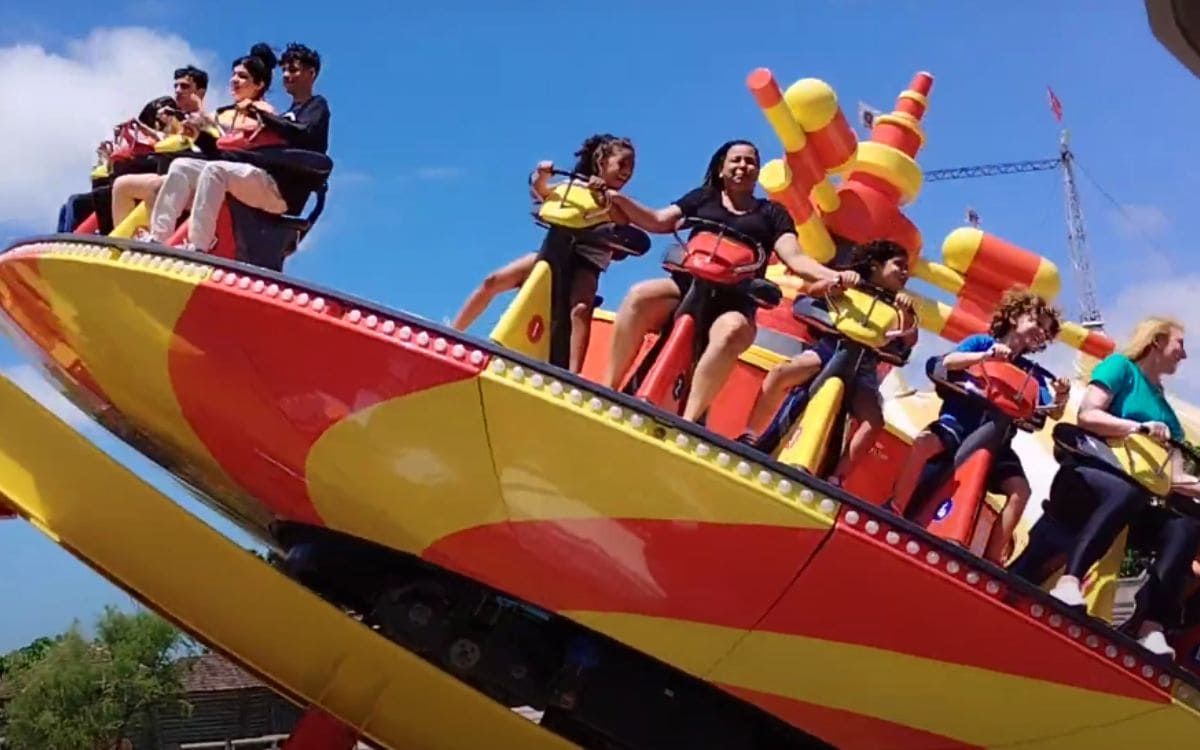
(85, 694)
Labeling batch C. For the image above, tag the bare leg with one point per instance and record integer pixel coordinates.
(507, 277)
(867, 408)
(128, 189)
(796, 371)
(583, 295)
(924, 447)
(731, 334)
(1000, 541)
(645, 308)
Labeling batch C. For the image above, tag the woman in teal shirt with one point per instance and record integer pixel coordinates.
(1125, 395)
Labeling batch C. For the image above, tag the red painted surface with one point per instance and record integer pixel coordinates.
(32, 313)
(846, 729)
(965, 489)
(667, 383)
(88, 225)
(731, 408)
(260, 395)
(720, 574)
(873, 476)
(887, 599)
(318, 730)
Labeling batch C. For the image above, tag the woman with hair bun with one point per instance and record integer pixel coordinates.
(204, 184)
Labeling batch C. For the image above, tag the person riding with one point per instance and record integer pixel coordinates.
(305, 124)
(182, 185)
(1022, 324)
(608, 162)
(883, 264)
(191, 86)
(1125, 396)
(727, 197)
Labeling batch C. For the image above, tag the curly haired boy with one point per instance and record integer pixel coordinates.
(1023, 324)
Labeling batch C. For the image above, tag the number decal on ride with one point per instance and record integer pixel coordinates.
(677, 389)
(537, 326)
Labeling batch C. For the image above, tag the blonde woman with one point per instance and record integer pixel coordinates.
(1124, 396)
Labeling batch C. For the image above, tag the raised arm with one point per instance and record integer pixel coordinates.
(788, 249)
(661, 220)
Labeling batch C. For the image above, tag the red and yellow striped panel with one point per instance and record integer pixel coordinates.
(288, 406)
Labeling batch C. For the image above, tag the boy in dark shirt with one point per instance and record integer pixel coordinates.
(306, 123)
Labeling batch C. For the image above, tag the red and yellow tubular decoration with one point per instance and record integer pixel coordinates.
(881, 175)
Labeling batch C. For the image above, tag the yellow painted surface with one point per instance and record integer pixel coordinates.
(533, 300)
(408, 471)
(139, 539)
(808, 450)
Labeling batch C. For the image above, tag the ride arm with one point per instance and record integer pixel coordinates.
(1095, 417)
(787, 247)
(661, 220)
(303, 132)
(1182, 482)
(962, 360)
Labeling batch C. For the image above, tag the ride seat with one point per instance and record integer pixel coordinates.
(765, 293)
(813, 312)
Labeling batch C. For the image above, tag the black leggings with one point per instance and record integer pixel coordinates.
(1118, 501)
(1175, 540)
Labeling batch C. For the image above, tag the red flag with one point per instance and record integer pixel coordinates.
(1055, 104)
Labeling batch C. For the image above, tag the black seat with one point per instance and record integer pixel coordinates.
(812, 311)
(266, 239)
(622, 240)
(764, 292)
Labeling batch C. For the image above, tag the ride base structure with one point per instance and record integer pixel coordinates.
(468, 528)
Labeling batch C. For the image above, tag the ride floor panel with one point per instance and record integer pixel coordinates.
(824, 610)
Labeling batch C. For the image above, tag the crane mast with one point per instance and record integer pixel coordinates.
(1077, 247)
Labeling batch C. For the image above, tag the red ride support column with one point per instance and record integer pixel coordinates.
(667, 384)
(90, 225)
(317, 730)
(965, 490)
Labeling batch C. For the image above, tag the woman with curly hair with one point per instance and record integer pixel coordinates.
(1023, 324)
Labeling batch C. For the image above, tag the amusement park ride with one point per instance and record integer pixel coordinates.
(468, 528)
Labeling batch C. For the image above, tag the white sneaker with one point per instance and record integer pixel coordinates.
(1068, 592)
(1156, 643)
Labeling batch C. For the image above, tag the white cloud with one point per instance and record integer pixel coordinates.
(58, 105)
(31, 380)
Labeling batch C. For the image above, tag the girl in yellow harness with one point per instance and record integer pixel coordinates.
(608, 162)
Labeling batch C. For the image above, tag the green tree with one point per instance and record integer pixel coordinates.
(86, 694)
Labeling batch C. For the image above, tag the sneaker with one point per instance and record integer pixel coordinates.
(142, 234)
(1068, 592)
(1156, 643)
(748, 438)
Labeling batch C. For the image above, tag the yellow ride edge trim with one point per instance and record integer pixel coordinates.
(330, 660)
(815, 511)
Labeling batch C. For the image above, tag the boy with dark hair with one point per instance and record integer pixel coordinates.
(305, 124)
(1022, 324)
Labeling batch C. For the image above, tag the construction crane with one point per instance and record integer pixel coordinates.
(1077, 247)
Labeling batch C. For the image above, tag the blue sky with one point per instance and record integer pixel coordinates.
(440, 111)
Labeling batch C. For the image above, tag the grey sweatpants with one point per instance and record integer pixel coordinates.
(205, 184)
